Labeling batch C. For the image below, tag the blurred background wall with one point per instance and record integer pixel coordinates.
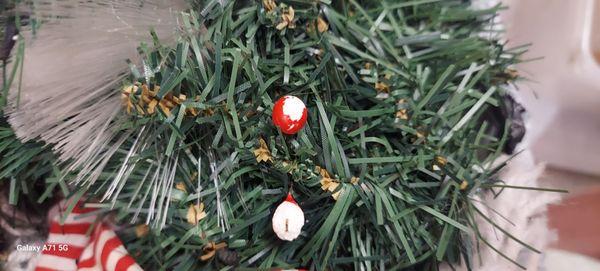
(563, 99)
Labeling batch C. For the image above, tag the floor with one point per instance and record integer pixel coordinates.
(577, 217)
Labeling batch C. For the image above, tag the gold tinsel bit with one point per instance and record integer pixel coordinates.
(421, 134)
(354, 180)
(319, 52)
(194, 176)
(125, 97)
(351, 11)
(382, 87)
(440, 160)
(195, 213)
(141, 230)
(335, 195)
(181, 186)
(191, 111)
(512, 73)
(164, 108)
(152, 106)
(289, 166)
(269, 5)
(210, 249)
(208, 112)
(368, 65)
(139, 109)
(328, 183)
(262, 153)
(402, 114)
(287, 19)
(169, 100)
(464, 185)
(131, 89)
(250, 113)
(322, 25)
(147, 100)
(147, 94)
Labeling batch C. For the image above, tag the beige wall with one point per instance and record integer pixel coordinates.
(563, 94)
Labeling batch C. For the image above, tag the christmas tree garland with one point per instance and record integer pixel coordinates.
(382, 163)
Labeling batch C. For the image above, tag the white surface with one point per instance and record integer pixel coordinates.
(560, 260)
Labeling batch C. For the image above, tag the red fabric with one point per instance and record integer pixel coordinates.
(72, 253)
(286, 124)
(70, 248)
(80, 228)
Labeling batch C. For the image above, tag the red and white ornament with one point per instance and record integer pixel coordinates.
(288, 219)
(289, 114)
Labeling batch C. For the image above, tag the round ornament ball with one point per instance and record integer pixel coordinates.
(288, 219)
(289, 114)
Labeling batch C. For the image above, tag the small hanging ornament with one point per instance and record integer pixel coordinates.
(288, 219)
(289, 114)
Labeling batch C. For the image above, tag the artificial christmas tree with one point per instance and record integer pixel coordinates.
(382, 131)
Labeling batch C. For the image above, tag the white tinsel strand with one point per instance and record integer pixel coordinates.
(70, 92)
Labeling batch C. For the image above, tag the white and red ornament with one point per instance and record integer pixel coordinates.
(289, 114)
(288, 219)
